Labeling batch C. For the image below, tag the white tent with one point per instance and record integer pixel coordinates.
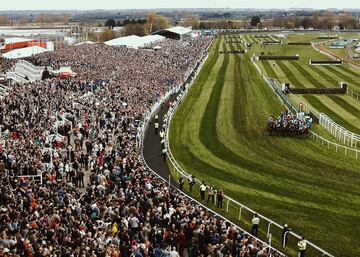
(134, 41)
(85, 43)
(24, 52)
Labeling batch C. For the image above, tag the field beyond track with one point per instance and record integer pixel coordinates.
(219, 135)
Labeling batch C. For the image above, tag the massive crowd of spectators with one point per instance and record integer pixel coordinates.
(5, 64)
(86, 129)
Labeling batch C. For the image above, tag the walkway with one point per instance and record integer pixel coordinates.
(152, 145)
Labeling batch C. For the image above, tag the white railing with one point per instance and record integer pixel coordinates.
(145, 125)
(353, 94)
(339, 132)
(29, 70)
(322, 51)
(16, 77)
(338, 148)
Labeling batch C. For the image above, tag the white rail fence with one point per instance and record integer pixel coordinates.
(15, 77)
(24, 69)
(340, 133)
(353, 94)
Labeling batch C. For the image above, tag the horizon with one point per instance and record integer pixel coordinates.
(68, 5)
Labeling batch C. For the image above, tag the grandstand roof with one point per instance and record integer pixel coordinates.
(134, 41)
(179, 30)
(24, 52)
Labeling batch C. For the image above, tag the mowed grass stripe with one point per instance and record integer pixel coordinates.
(339, 101)
(315, 103)
(343, 76)
(269, 71)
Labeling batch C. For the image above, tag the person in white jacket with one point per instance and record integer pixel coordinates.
(174, 253)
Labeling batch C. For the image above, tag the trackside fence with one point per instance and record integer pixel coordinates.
(353, 94)
(350, 139)
(244, 213)
(145, 125)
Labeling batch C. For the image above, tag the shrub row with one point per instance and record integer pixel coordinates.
(232, 52)
(312, 62)
(273, 57)
(271, 42)
(327, 37)
(300, 43)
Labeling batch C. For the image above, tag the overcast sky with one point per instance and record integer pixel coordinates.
(148, 4)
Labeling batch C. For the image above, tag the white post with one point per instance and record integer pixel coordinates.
(240, 213)
(268, 229)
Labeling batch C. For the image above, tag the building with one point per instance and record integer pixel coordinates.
(19, 42)
(135, 41)
(176, 33)
(24, 52)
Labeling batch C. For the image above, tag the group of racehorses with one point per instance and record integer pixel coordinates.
(289, 125)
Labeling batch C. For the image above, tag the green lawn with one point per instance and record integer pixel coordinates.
(219, 135)
(343, 109)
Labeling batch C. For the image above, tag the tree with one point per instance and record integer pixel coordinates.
(150, 20)
(161, 22)
(4, 20)
(315, 20)
(106, 35)
(306, 23)
(255, 20)
(110, 23)
(135, 29)
(191, 20)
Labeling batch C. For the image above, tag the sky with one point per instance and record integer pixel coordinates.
(149, 4)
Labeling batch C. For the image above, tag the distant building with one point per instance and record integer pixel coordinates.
(175, 33)
(24, 52)
(19, 42)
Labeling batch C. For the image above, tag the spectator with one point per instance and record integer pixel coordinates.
(211, 193)
(174, 253)
(255, 224)
(202, 190)
(220, 195)
(181, 183)
(302, 247)
(284, 237)
(191, 181)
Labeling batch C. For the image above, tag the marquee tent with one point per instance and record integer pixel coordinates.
(135, 41)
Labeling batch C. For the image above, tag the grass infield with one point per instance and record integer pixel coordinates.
(219, 135)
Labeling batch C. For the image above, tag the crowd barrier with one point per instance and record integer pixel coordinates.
(228, 200)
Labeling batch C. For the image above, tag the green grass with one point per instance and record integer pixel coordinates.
(343, 109)
(219, 135)
(314, 100)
